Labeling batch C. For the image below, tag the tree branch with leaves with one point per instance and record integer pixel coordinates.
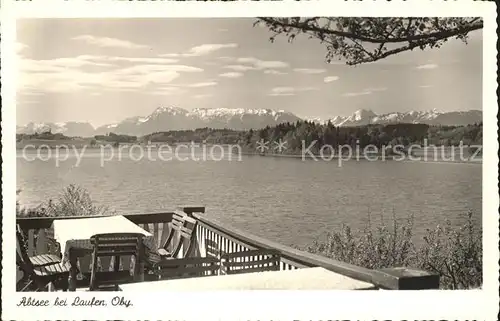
(361, 40)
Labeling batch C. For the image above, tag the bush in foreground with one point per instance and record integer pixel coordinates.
(73, 201)
(454, 253)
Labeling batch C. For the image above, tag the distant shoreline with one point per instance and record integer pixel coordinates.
(80, 144)
(361, 158)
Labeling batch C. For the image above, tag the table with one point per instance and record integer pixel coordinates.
(74, 237)
(316, 278)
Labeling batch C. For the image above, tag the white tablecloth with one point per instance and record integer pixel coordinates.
(300, 279)
(76, 233)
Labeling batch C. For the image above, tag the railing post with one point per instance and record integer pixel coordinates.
(402, 278)
(189, 210)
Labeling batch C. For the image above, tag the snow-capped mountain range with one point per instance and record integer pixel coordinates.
(431, 117)
(175, 118)
(69, 128)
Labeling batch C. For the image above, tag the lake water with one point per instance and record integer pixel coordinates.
(283, 199)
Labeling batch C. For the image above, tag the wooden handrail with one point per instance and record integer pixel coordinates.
(252, 245)
(397, 278)
(305, 259)
(217, 230)
(189, 210)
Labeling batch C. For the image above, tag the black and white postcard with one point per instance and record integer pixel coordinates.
(249, 160)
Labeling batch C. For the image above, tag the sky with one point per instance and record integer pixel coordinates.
(102, 71)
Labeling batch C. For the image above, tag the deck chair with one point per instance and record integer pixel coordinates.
(39, 271)
(36, 260)
(183, 235)
(171, 244)
(250, 261)
(187, 267)
(115, 245)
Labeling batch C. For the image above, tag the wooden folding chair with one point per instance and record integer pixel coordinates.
(39, 271)
(115, 245)
(184, 240)
(250, 261)
(187, 267)
(171, 245)
(36, 260)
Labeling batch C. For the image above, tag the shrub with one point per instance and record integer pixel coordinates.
(384, 247)
(454, 253)
(73, 201)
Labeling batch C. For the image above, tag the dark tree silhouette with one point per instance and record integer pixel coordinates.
(361, 40)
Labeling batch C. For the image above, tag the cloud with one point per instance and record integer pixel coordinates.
(357, 94)
(150, 64)
(20, 47)
(109, 42)
(274, 72)
(109, 59)
(289, 91)
(309, 70)
(85, 72)
(376, 89)
(239, 67)
(427, 66)
(202, 84)
(282, 89)
(31, 93)
(209, 48)
(144, 69)
(367, 91)
(202, 96)
(231, 74)
(57, 64)
(252, 63)
(330, 79)
(202, 50)
(263, 64)
(144, 60)
(28, 102)
(167, 91)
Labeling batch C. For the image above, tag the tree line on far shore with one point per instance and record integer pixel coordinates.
(305, 132)
(298, 133)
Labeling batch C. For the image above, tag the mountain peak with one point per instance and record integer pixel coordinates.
(230, 112)
(71, 128)
(165, 110)
(431, 117)
(363, 113)
(169, 109)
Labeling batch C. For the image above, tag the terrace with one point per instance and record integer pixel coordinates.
(210, 238)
